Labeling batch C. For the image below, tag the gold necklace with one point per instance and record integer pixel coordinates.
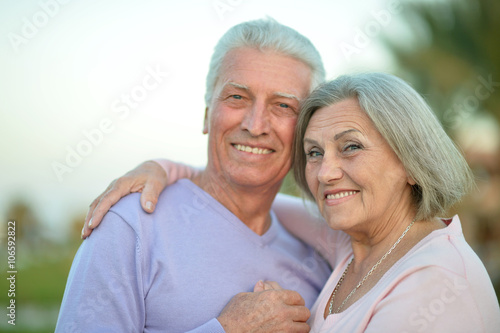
(330, 308)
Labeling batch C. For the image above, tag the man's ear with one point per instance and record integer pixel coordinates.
(205, 122)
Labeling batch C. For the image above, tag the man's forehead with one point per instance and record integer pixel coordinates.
(250, 69)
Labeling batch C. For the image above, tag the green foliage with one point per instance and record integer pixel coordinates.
(289, 186)
(40, 282)
(456, 44)
(43, 283)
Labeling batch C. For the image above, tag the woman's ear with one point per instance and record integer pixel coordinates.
(205, 122)
(410, 180)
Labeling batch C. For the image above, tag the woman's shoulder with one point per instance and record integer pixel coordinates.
(445, 259)
(445, 248)
(442, 277)
(434, 296)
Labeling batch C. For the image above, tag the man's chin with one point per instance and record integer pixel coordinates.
(256, 176)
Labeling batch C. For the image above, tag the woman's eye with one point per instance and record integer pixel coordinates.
(283, 105)
(352, 147)
(313, 153)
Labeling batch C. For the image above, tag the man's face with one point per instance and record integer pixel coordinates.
(252, 116)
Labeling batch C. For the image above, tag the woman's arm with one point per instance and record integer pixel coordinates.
(302, 219)
(149, 178)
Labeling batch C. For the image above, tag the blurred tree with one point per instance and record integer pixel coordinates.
(289, 186)
(455, 60)
(26, 222)
(76, 228)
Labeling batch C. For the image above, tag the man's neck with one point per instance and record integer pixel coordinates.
(250, 204)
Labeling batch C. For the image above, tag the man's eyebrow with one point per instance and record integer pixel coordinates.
(282, 94)
(237, 85)
(278, 94)
(341, 134)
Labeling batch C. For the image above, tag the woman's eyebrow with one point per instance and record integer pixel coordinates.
(341, 134)
(311, 141)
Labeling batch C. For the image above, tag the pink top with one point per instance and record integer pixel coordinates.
(440, 285)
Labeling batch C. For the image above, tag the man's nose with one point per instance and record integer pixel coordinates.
(256, 120)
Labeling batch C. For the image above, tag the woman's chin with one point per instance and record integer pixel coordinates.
(337, 222)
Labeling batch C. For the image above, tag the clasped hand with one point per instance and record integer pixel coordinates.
(269, 308)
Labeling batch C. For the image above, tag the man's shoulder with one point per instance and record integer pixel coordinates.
(131, 202)
(172, 201)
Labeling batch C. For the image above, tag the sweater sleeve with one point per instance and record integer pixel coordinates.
(176, 170)
(303, 220)
(104, 289)
(211, 326)
(431, 299)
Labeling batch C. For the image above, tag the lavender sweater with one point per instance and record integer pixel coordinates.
(176, 269)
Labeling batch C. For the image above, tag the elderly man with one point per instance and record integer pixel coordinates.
(214, 236)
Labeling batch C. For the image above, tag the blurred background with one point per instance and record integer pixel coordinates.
(90, 89)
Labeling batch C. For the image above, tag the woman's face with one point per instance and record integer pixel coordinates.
(354, 175)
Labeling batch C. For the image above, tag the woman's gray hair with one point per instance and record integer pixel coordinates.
(410, 127)
(265, 35)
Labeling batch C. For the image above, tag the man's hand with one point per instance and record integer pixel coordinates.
(266, 285)
(149, 178)
(268, 309)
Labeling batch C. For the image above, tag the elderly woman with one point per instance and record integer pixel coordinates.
(381, 169)
(372, 155)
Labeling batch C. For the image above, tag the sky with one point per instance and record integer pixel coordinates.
(90, 89)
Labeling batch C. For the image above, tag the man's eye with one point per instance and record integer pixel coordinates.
(236, 96)
(283, 105)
